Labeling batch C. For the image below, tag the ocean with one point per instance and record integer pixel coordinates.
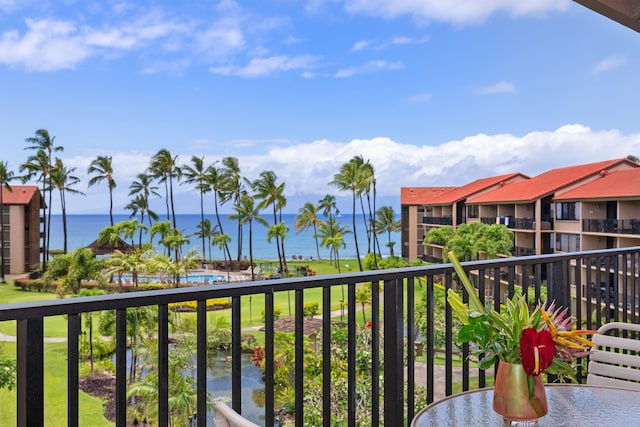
(84, 229)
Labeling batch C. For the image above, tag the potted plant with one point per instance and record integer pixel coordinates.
(526, 342)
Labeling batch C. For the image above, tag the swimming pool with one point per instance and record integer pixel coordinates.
(191, 278)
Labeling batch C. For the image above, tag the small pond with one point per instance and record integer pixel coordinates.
(219, 385)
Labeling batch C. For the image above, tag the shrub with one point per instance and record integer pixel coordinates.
(277, 311)
(311, 309)
(212, 304)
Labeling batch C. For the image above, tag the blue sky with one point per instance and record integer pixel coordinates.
(431, 92)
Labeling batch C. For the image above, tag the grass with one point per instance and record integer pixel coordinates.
(55, 399)
(55, 326)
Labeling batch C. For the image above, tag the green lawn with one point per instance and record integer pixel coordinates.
(55, 399)
(53, 326)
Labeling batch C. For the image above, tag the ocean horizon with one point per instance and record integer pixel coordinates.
(84, 228)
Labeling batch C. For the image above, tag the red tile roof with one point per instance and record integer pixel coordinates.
(613, 185)
(421, 195)
(474, 187)
(21, 194)
(548, 182)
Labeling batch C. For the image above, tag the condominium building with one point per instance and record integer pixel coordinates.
(21, 234)
(582, 207)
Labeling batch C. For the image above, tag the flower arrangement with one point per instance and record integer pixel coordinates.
(541, 340)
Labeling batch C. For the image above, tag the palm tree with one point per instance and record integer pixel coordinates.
(162, 228)
(140, 204)
(62, 179)
(335, 243)
(206, 232)
(387, 222)
(328, 205)
(133, 263)
(349, 179)
(164, 167)
(198, 175)
(72, 268)
(222, 240)
(327, 231)
(38, 164)
(143, 186)
(363, 296)
(42, 141)
(308, 217)
(232, 189)
(271, 194)
(215, 180)
(102, 170)
(247, 212)
(6, 176)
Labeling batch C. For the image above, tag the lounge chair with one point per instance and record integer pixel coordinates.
(615, 362)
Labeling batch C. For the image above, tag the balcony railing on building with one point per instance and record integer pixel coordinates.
(617, 226)
(398, 295)
(511, 222)
(437, 220)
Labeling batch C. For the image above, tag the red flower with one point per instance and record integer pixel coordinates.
(369, 324)
(537, 350)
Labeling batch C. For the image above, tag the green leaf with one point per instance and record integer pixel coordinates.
(487, 362)
(475, 332)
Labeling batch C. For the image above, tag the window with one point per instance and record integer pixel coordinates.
(567, 211)
(473, 211)
(567, 242)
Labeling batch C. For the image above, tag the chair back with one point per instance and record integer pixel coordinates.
(224, 416)
(615, 361)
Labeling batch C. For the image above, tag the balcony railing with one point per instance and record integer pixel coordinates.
(617, 226)
(511, 222)
(437, 220)
(393, 398)
(523, 251)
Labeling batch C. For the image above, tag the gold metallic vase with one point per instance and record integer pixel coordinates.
(519, 403)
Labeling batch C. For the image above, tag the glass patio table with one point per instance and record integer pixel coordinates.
(569, 405)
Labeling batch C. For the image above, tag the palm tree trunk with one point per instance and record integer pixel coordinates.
(173, 209)
(355, 237)
(110, 203)
(253, 277)
(315, 234)
(204, 250)
(215, 204)
(63, 204)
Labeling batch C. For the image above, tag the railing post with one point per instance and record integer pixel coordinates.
(393, 351)
(30, 379)
(558, 288)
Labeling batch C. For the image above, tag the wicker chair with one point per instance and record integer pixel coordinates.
(615, 361)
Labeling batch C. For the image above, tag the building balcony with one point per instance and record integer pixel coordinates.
(522, 251)
(611, 226)
(397, 296)
(511, 222)
(437, 220)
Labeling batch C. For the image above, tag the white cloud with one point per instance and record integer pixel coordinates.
(610, 63)
(50, 45)
(456, 11)
(221, 39)
(369, 67)
(449, 163)
(360, 45)
(268, 65)
(47, 45)
(500, 87)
